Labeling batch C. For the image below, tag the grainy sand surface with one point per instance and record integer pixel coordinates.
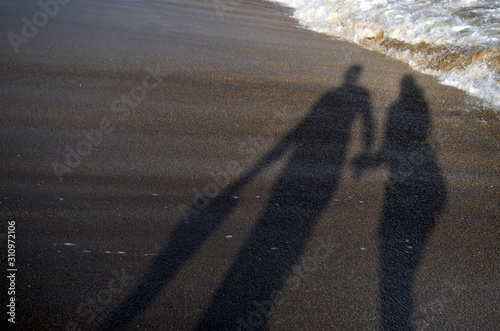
(145, 146)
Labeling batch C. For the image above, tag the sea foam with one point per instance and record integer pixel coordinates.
(456, 40)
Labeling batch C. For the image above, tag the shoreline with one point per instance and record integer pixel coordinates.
(463, 62)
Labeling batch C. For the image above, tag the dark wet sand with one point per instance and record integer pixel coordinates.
(230, 84)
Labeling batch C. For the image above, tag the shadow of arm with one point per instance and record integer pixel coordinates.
(187, 238)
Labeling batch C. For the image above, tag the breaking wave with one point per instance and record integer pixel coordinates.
(456, 40)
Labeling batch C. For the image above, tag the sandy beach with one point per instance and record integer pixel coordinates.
(178, 165)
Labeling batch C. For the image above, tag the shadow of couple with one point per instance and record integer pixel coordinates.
(414, 196)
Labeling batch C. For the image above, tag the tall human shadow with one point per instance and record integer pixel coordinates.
(414, 196)
(318, 145)
(303, 190)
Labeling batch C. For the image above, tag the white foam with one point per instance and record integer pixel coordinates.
(461, 25)
(478, 80)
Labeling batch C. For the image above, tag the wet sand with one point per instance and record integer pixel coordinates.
(120, 121)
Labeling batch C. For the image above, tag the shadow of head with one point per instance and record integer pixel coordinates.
(410, 116)
(352, 74)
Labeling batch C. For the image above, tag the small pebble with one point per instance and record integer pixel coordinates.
(69, 244)
(274, 248)
(229, 236)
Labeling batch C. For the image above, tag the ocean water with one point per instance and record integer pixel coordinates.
(456, 40)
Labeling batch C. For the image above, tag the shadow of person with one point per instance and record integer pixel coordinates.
(304, 188)
(414, 196)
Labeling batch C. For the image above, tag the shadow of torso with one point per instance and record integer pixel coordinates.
(302, 192)
(415, 195)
